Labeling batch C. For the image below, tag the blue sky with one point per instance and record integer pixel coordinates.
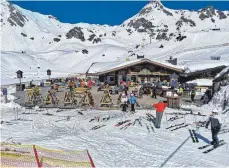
(106, 12)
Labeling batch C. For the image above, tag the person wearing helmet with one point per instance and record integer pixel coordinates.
(215, 121)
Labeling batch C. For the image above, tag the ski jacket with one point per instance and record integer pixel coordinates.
(124, 99)
(215, 122)
(132, 99)
(193, 93)
(160, 107)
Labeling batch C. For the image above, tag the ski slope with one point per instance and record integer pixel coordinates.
(45, 44)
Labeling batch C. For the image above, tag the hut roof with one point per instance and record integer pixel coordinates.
(220, 75)
(106, 67)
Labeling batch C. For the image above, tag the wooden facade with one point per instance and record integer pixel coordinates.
(141, 71)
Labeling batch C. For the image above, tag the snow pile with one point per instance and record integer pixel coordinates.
(201, 82)
(10, 104)
(218, 101)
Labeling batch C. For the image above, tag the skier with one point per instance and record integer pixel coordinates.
(124, 102)
(132, 101)
(116, 89)
(160, 107)
(125, 89)
(193, 94)
(154, 95)
(215, 127)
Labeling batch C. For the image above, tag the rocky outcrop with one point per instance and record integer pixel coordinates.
(96, 40)
(180, 37)
(56, 39)
(146, 10)
(114, 33)
(157, 4)
(221, 15)
(16, 17)
(141, 22)
(183, 20)
(84, 51)
(75, 33)
(207, 12)
(162, 36)
(23, 34)
(91, 37)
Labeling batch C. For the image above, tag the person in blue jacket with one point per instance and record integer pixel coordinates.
(132, 101)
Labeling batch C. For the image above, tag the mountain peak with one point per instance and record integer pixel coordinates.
(156, 4)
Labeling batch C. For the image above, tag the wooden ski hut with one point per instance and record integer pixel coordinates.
(139, 70)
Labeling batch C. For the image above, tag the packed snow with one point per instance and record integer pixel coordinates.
(201, 82)
(111, 147)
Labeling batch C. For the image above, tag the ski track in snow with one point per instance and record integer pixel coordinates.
(110, 146)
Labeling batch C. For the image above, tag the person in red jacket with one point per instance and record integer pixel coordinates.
(160, 107)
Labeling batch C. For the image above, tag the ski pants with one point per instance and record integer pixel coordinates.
(154, 96)
(192, 98)
(124, 106)
(158, 119)
(215, 138)
(132, 108)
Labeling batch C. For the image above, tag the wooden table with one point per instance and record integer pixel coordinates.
(173, 101)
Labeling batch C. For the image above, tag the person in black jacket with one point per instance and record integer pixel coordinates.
(215, 121)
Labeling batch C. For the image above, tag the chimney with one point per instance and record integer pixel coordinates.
(173, 61)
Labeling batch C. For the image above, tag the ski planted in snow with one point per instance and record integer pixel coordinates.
(147, 127)
(195, 136)
(192, 136)
(213, 148)
(139, 122)
(152, 128)
(205, 146)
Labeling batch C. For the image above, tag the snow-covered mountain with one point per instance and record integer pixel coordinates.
(30, 40)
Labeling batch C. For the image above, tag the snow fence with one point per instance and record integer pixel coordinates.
(13, 155)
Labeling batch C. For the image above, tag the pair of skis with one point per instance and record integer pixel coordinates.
(224, 131)
(95, 118)
(149, 128)
(179, 127)
(174, 126)
(174, 118)
(97, 127)
(193, 136)
(126, 126)
(221, 143)
(122, 122)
